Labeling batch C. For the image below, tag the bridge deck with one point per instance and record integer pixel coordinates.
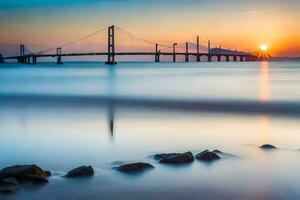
(124, 54)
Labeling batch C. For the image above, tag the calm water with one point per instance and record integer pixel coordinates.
(58, 118)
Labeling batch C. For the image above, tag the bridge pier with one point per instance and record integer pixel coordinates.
(27, 60)
(157, 56)
(1, 59)
(34, 60)
(186, 52)
(198, 49)
(220, 54)
(235, 56)
(209, 58)
(59, 60)
(242, 58)
(22, 60)
(227, 59)
(111, 46)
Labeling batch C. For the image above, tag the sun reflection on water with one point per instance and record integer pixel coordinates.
(264, 89)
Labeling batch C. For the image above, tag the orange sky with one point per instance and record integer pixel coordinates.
(232, 24)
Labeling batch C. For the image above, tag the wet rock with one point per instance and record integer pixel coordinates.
(23, 173)
(9, 181)
(135, 167)
(8, 185)
(48, 173)
(6, 189)
(267, 147)
(34, 179)
(80, 172)
(181, 158)
(207, 156)
(164, 155)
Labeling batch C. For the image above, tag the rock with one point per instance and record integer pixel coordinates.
(24, 173)
(207, 156)
(164, 155)
(181, 158)
(34, 179)
(8, 185)
(9, 181)
(267, 147)
(6, 189)
(20, 170)
(135, 167)
(80, 172)
(48, 173)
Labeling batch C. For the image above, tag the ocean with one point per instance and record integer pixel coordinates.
(88, 113)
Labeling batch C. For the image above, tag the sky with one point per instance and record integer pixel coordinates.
(235, 24)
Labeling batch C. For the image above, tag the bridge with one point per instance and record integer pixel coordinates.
(113, 41)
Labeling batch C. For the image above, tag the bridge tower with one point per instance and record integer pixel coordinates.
(208, 56)
(174, 52)
(157, 53)
(111, 46)
(58, 53)
(198, 49)
(22, 49)
(186, 52)
(22, 59)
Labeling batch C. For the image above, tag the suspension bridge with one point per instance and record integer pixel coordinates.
(113, 42)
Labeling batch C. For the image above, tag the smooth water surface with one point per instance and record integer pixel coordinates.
(61, 135)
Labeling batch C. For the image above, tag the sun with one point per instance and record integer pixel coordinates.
(263, 47)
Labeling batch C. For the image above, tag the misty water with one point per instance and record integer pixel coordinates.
(59, 117)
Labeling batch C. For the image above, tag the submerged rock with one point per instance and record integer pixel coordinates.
(207, 156)
(176, 158)
(135, 167)
(80, 172)
(267, 147)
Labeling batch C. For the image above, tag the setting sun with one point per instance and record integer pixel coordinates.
(263, 47)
